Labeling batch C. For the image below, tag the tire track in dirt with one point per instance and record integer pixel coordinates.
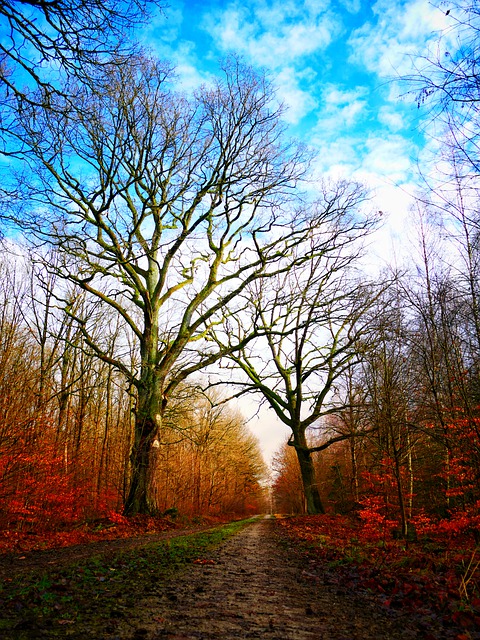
(252, 587)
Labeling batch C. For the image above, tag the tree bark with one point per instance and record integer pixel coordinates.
(313, 502)
(142, 495)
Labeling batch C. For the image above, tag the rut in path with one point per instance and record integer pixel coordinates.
(255, 589)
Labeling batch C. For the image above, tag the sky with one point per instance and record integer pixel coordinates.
(335, 65)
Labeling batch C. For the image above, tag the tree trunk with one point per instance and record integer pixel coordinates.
(310, 488)
(398, 478)
(354, 482)
(142, 495)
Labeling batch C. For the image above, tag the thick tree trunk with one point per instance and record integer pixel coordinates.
(142, 495)
(313, 502)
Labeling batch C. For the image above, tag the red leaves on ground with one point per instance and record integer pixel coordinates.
(424, 577)
(109, 528)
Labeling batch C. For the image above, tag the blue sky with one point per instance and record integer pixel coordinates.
(334, 63)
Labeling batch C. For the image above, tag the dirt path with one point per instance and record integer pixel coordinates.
(252, 587)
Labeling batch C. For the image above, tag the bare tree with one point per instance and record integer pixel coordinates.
(164, 208)
(390, 385)
(42, 37)
(301, 330)
(43, 42)
(446, 80)
(442, 337)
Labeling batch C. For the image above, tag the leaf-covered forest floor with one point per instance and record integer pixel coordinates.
(114, 527)
(434, 579)
(22, 551)
(282, 579)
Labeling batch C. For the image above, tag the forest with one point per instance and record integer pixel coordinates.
(164, 253)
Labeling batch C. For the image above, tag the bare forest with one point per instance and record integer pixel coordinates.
(166, 252)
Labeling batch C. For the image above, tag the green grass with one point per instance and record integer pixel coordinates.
(59, 603)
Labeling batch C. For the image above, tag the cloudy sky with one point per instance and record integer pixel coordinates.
(335, 64)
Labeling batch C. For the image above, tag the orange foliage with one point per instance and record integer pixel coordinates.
(39, 492)
(111, 527)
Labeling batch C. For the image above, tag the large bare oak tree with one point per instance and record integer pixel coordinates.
(164, 208)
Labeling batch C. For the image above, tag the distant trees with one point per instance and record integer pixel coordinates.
(66, 424)
(210, 461)
(56, 416)
(287, 487)
(413, 396)
(389, 384)
(441, 300)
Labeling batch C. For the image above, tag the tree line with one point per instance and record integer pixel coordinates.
(404, 440)
(66, 423)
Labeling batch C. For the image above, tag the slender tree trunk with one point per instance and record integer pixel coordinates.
(401, 499)
(354, 483)
(307, 470)
(398, 478)
(411, 477)
(102, 479)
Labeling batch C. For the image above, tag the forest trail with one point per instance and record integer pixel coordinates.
(252, 586)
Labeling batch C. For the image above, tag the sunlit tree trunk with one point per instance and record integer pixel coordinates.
(142, 496)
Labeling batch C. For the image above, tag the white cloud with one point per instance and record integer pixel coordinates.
(272, 34)
(352, 6)
(391, 118)
(189, 72)
(342, 108)
(164, 29)
(334, 95)
(389, 156)
(298, 101)
(337, 157)
(402, 29)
